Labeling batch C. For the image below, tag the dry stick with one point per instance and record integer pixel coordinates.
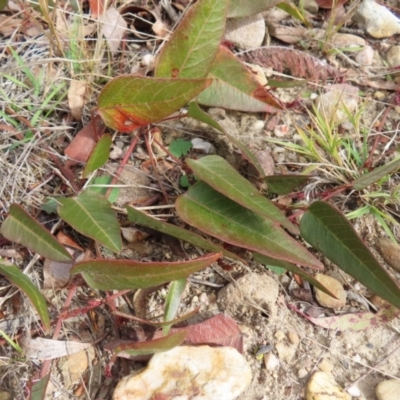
(371, 369)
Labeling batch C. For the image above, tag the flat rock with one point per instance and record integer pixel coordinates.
(377, 20)
(188, 373)
(288, 34)
(261, 290)
(338, 102)
(365, 57)
(335, 287)
(390, 252)
(388, 390)
(246, 33)
(322, 386)
(393, 56)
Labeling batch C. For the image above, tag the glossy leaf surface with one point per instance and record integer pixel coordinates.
(234, 87)
(19, 279)
(284, 184)
(221, 176)
(330, 232)
(191, 49)
(131, 101)
(20, 227)
(125, 275)
(143, 219)
(211, 212)
(91, 214)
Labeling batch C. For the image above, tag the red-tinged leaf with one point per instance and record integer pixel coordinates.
(211, 212)
(131, 101)
(219, 330)
(325, 228)
(20, 227)
(151, 346)
(143, 219)
(19, 279)
(356, 321)
(99, 155)
(39, 388)
(83, 143)
(329, 4)
(125, 275)
(190, 51)
(96, 7)
(91, 214)
(234, 87)
(240, 8)
(173, 301)
(196, 112)
(221, 176)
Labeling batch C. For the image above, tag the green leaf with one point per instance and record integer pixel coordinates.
(330, 232)
(192, 47)
(20, 227)
(125, 275)
(284, 184)
(91, 215)
(371, 177)
(173, 301)
(103, 183)
(294, 12)
(19, 279)
(131, 101)
(242, 8)
(269, 261)
(286, 84)
(143, 219)
(152, 346)
(180, 147)
(196, 112)
(234, 87)
(3, 4)
(211, 212)
(221, 176)
(39, 388)
(99, 155)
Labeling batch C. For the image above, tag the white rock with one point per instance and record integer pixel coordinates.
(246, 33)
(271, 361)
(201, 145)
(354, 391)
(322, 386)
(262, 290)
(343, 40)
(393, 56)
(388, 390)
(339, 101)
(377, 20)
(335, 287)
(365, 57)
(186, 372)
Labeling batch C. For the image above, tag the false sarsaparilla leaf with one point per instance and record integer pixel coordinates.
(173, 301)
(269, 261)
(39, 388)
(192, 47)
(99, 155)
(211, 212)
(131, 101)
(20, 227)
(125, 275)
(240, 8)
(285, 184)
(151, 346)
(330, 232)
(196, 112)
(222, 177)
(143, 219)
(91, 214)
(19, 279)
(371, 177)
(234, 87)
